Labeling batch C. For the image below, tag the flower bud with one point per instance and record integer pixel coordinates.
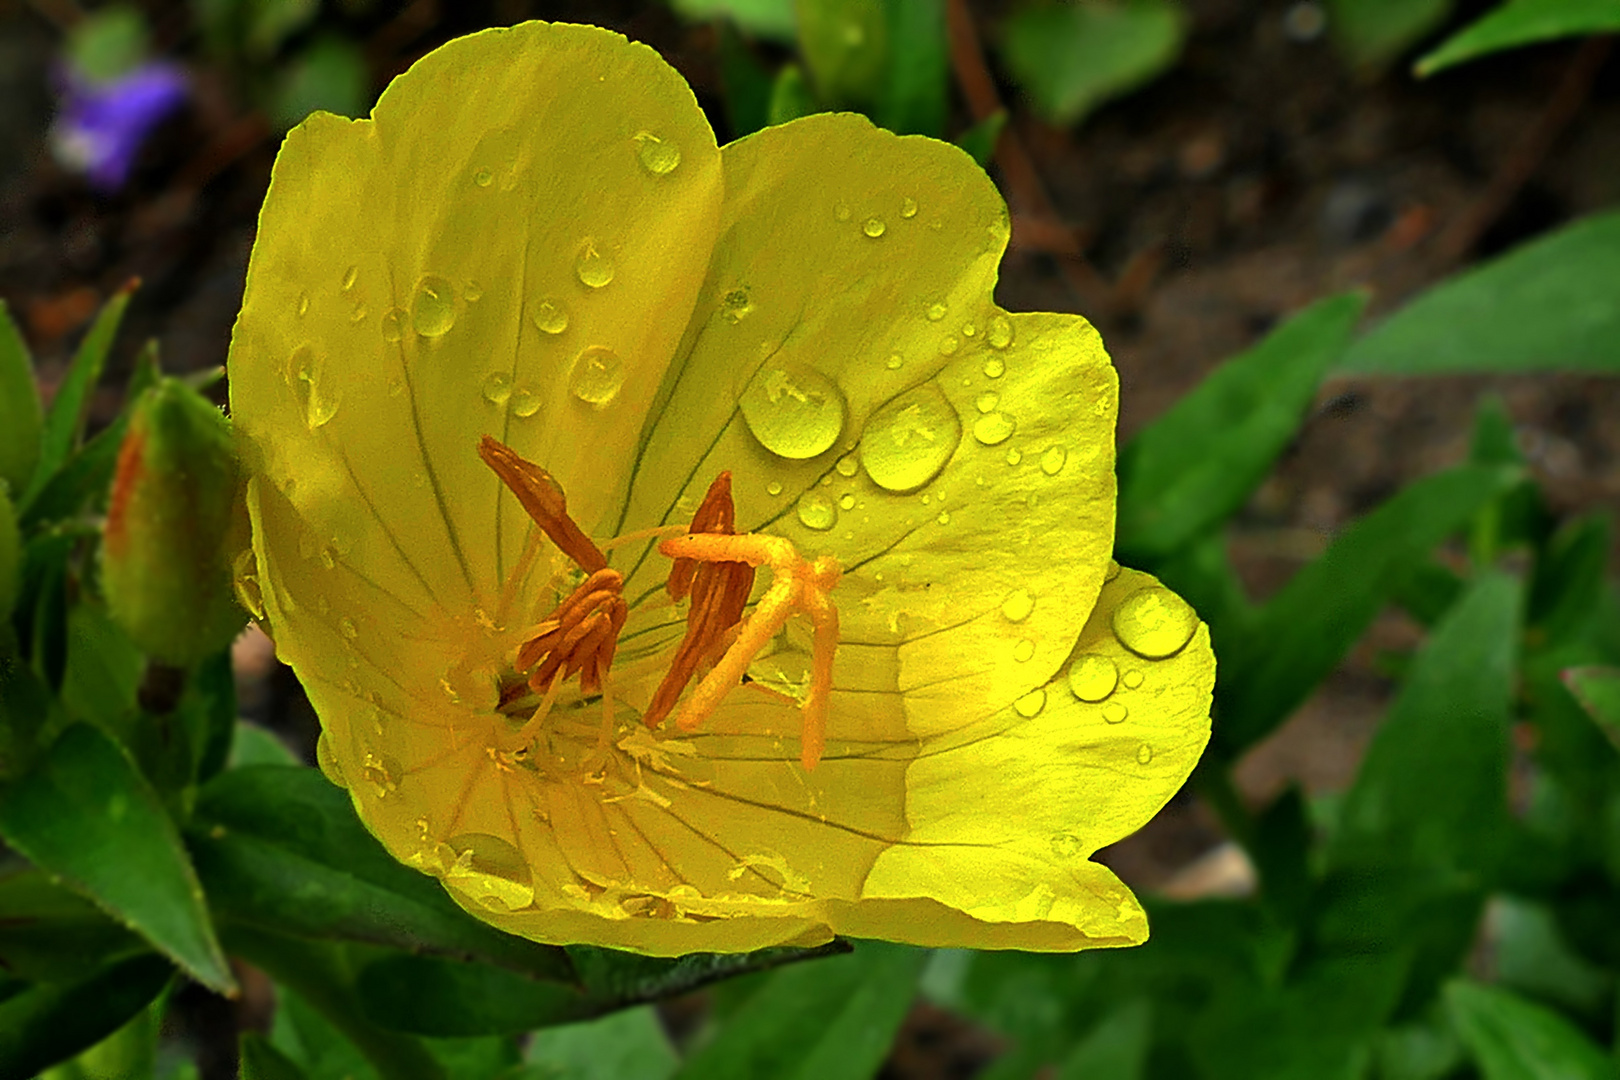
(165, 567)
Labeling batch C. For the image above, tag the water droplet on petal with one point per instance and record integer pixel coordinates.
(1092, 677)
(1144, 754)
(847, 502)
(433, 310)
(550, 317)
(909, 439)
(894, 361)
(303, 304)
(306, 374)
(1024, 650)
(936, 312)
(816, 511)
(1066, 845)
(908, 208)
(1030, 705)
(490, 871)
(841, 211)
(593, 268)
(1000, 334)
(394, 321)
(346, 624)
(848, 466)
(793, 410)
(382, 772)
(658, 156)
(1052, 461)
(525, 402)
(349, 277)
(736, 305)
(944, 517)
(597, 376)
(949, 344)
(968, 330)
(773, 488)
(987, 401)
(993, 429)
(1115, 712)
(328, 761)
(473, 291)
(874, 227)
(1132, 679)
(1014, 455)
(497, 387)
(1018, 605)
(1154, 623)
(483, 178)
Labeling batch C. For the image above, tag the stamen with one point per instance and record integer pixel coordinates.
(543, 498)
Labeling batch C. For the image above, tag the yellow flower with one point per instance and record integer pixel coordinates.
(536, 239)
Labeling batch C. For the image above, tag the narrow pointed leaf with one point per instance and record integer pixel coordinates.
(20, 414)
(1518, 23)
(51, 1022)
(1514, 1039)
(1598, 690)
(262, 1061)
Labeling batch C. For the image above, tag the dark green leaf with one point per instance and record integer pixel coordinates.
(64, 422)
(330, 74)
(254, 745)
(1567, 589)
(86, 814)
(1522, 22)
(21, 417)
(1374, 32)
(627, 1043)
(1069, 58)
(834, 1017)
(1303, 631)
(845, 44)
(103, 670)
(262, 1061)
(1197, 464)
(209, 708)
(772, 19)
(42, 607)
(1598, 690)
(1512, 1039)
(1519, 517)
(620, 978)
(747, 84)
(980, 140)
(426, 995)
(791, 97)
(913, 98)
(280, 848)
(1428, 592)
(1546, 306)
(1116, 1049)
(51, 934)
(51, 1022)
(1531, 956)
(28, 712)
(1281, 850)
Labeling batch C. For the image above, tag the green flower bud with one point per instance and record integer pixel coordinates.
(165, 565)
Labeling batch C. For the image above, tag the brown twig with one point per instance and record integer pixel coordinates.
(1460, 237)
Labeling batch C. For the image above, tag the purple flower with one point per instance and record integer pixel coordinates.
(102, 124)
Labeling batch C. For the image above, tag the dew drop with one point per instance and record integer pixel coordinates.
(473, 291)
(1092, 677)
(944, 517)
(994, 368)
(593, 268)
(994, 428)
(1018, 605)
(658, 156)
(968, 330)
(1030, 705)
(816, 511)
(497, 387)
(1154, 623)
(936, 312)
(1132, 679)
(848, 466)
(949, 344)
(1066, 845)
(1024, 650)
(841, 211)
(382, 772)
(394, 321)
(303, 304)
(908, 208)
(894, 362)
(483, 178)
(597, 376)
(433, 311)
(987, 401)
(908, 440)
(525, 402)
(847, 502)
(1014, 455)
(346, 624)
(874, 227)
(349, 277)
(490, 871)
(1115, 712)
(1052, 461)
(327, 760)
(1000, 334)
(550, 317)
(358, 315)
(793, 410)
(306, 375)
(736, 305)
(773, 488)
(1144, 754)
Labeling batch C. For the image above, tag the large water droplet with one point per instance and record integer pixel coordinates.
(1018, 605)
(490, 871)
(774, 488)
(1000, 334)
(816, 511)
(433, 310)
(1155, 623)
(994, 428)
(394, 321)
(1144, 754)
(594, 268)
(1066, 845)
(1030, 705)
(306, 372)
(874, 227)
(909, 439)
(525, 402)
(1052, 461)
(793, 410)
(327, 760)
(1115, 712)
(657, 156)
(1092, 677)
(497, 387)
(550, 317)
(597, 376)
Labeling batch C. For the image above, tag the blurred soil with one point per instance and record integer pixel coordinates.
(1259, 175)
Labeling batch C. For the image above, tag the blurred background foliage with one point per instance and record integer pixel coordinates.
(1357, 261)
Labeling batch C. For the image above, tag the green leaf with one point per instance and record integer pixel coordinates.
(1598, 691)
(1373, 32)
(50, 1022)
(627, 1043)
(1570, 580)
(21, 417)
(85, 814)
(1530, 955)
(255, 745)
(1548, 305)
(426, 995)
(64, 422)
(913, 98)
(614, 978)
(28, 710)
(1292, 643)
(1116, 1049)
(1512, 1039)
(50, 934)
(746, 82)
(1197, 464)
(1518, 23)
(1070, 58)
(280, 848)
(980, 140)
(845, 44)
(108, 43)
(103, 673)
(330, 75)
(791, 97)
(769, 19)
(262, 1061)
(834, 1017)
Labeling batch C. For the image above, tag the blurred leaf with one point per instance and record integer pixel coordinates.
(834, 1017)
(1598, 691)
(1373, 32)
(208, 708)
(913, 98)
(1116, 1049)
(329, 75)
(271, 22)
(1196, 465)
(1418, 1051)
(790, 96)
(480, 1059)
(1521, 22)
(70, 408)
(281, 848)
(262, 1061)
(27, 711)
(747, 84)
(426, 995)
(1547, 305)
(130, 1053)
(1070, 58)
(614, 978)
(255, 745)
(1531, 956)
(980, 140)
(103, 671)
(21, 416)
(1281, 851)
(11, 554)
(1302, 632)
(51, 934)
(627, 1043)
(85, 813)
(1518, 517)
(1512, 1039)
(1567, 589)
(51, 1022)
(1428, 592)
(845, 44)
(106, 44)
(769, 19)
